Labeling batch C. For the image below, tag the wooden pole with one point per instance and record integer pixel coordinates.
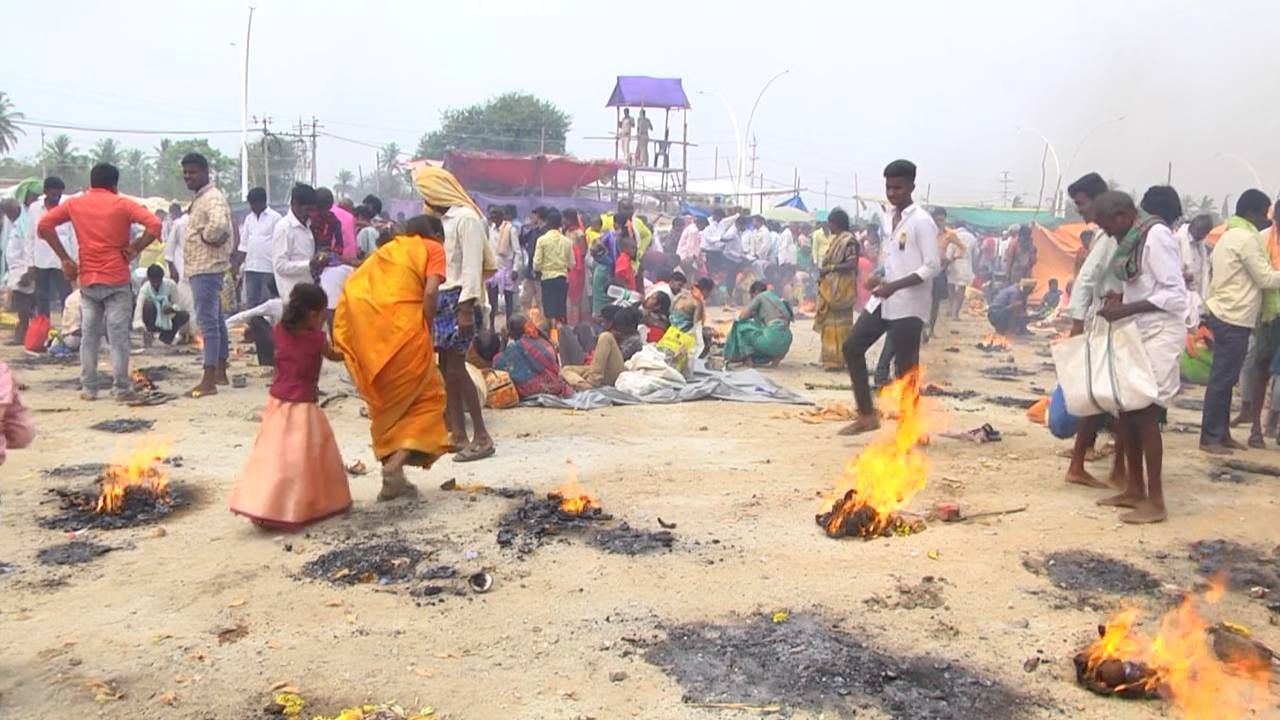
(684, 155)
(1169, 177)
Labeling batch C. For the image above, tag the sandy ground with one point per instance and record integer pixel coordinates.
(741, 483)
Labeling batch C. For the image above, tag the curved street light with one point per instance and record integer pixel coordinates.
(752, 115)
(733, 118)
(244, 109)
(1257, 178)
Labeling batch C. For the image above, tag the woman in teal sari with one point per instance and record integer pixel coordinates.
(762, 333)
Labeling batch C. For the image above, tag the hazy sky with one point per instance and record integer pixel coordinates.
(961, 88)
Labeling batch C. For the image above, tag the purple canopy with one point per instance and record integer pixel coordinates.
(649, 92)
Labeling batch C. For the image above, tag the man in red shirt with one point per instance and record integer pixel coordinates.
(102, 219)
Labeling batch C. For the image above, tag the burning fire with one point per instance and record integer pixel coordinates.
(1178, 663)
(888, 473)
(140, 471)
(197, 339)
(141, 381)
(994, 342)
(574, 499)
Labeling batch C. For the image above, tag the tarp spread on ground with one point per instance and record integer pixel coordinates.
(733, 385)
(518, 174)
(994, 219)
(648, 92)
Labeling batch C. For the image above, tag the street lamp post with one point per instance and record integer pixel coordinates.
(737, 136)
(244, 111)
(1074, 153)
(752, 115)
(1257, 178)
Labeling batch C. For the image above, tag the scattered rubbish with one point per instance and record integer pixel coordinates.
(75, 471)
(947, 511)
(1031, 663)
(481, 582)
(618, 676)
(1011, 402)
(932, 390)
(979, 435)
(437, 572)
(452, 485)
(357, 468)
(1248, 466)
(123, 425)
(333, 399)
(666, 525)
(152, 398)
(536, 520)
(928, 594)
(1242, 567)
(827, 412)
(992, 513)
(229, 635)
(239, 381)
(72, 553)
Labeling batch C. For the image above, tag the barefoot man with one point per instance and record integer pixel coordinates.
(207, 257)
(1148, 261)
(465, 243)
(1093, 282)
(902, 299)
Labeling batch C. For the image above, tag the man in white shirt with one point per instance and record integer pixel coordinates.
(900, 300)
(51, 285)
(18, 271)
(174, 239)
(293, 247)
(1195, 254)
(257, 234)
(462, 296)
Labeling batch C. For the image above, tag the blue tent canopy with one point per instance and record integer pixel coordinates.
(795, 202)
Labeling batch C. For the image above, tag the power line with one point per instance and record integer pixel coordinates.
(119, 131)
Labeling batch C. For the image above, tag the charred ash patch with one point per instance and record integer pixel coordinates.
(77, 508)
(537, 520)
(1242, 566)
(626, 540)
(1086, 571)
(383, 563)
(810, 663)
(75, 552)
(123, 425)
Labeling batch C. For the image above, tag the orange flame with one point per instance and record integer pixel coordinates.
(1183, 664)
(574, 499)
(140, 469)
(992, 341)
(198, 340)
(889, 472)
(141, 381)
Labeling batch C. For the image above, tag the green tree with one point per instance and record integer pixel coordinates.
(513, 122)
(61, 157)
(282, 156)
(9, 119)
(344, 183)
(106, 151)
(135, 169)
(168, 168)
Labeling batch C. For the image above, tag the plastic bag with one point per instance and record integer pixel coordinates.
(501, 391)
(1105, 369)
(1037, 413)
(37, 334)
(678, 346)
(1062, 424)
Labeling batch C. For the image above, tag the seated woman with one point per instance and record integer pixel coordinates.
(1008, 311)
(531, 361)
(657, 315)
(762, 332)
(607, 361)
(1049, 303)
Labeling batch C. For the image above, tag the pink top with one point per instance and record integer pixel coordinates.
(15, 421)
(348, 223)
(865, 267)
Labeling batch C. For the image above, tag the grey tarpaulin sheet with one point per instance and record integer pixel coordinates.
(733, 385)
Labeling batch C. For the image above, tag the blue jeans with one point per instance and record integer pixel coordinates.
(106, 308)
(259, 287)
(1230, 343)
(207, 290)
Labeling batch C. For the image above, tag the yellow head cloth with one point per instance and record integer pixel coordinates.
(440, 188)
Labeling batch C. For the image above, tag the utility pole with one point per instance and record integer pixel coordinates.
(1169, 178)
(266, 154)
(826, 200)
(315, 126)
(1005, 181)
(44, 171)
(752, 175)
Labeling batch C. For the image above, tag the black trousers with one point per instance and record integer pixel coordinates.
(904, 333)
(179, 319)
(1230, 344)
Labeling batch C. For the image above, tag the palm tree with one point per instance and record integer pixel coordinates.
(345, 182)
(9, 119)
(106, 151)
(60, 156)
(390, 154)
(136, 165)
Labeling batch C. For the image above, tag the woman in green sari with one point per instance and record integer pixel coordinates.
(837, 291)
(762, 333)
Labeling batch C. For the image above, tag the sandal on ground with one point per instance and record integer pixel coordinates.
(471, 453)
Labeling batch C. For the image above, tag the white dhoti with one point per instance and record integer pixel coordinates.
(1164, 335)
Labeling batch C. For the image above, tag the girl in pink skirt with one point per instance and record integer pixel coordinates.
(295, 474)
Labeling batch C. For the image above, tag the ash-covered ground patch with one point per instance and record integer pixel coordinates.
(1085, 571)
(384, 563)
(75, 552)
(538, 520)
(810, 663)
(1243, 567)
(77, 508)
(123, 425)
(626, 540)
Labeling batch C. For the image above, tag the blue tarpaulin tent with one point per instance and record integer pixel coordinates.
(640, 91)
(795, 202)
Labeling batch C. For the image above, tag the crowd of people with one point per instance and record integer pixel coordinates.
(411, 308)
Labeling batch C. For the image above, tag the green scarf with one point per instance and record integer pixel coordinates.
(1235, 222)
(1127, 262)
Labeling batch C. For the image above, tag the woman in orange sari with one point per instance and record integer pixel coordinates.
(837, 291)
(383, 328)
